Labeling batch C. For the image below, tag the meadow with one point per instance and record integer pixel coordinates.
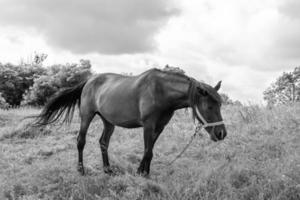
(258, 160)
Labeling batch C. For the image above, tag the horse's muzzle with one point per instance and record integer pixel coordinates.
(218, 133)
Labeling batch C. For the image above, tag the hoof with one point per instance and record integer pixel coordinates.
(80, 169)
(142, 173)
(108, 170)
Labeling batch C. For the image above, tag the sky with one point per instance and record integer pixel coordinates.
(245, 43)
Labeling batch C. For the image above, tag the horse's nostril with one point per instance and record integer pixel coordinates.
(221, 134)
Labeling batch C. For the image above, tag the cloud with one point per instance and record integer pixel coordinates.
(101, 26)
(250, 34)
(247, 44)
(287, 38)
(291, 8)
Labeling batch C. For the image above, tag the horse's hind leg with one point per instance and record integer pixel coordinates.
(104, 142)
(86, 119)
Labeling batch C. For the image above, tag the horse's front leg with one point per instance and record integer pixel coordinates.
(149, 140)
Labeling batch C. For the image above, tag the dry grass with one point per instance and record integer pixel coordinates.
(260, 159)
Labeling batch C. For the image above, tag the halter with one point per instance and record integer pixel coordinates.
(205, 123)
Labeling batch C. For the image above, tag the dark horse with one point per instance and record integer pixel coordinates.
(147, 100)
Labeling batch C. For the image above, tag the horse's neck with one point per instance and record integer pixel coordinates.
(178, 91)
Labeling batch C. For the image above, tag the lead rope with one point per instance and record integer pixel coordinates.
(198, 130)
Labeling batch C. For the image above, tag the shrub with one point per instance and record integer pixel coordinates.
(15, 79)
(3, 103)
(56, 77)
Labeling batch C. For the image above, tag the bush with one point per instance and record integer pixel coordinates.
(3, 103)
(32, 84)
(16, 79)
(56, 77)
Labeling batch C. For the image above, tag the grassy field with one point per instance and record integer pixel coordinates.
(259, 159)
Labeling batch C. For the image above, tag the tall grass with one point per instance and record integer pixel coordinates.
(259, 159)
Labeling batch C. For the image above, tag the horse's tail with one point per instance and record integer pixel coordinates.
(63, 102)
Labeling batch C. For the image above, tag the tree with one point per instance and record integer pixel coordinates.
(55, 78)
(285, 89)
(31, 83)
(16, 79)
(227, 101)
(39, 58)
(40, 91)
(3, 103)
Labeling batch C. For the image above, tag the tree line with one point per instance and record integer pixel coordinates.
(33, 84)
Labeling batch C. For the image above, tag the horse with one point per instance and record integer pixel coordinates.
(147, 100)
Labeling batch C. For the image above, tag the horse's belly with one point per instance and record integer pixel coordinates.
(133, 124)
(118, 103)
(123, 116)
(123, 120)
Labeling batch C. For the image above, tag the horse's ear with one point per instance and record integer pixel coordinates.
(217, 87)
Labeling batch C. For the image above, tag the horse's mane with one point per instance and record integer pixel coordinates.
(209, 89)
(172, 71)
(193, 93)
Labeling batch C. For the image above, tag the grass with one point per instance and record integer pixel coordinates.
(259, 159)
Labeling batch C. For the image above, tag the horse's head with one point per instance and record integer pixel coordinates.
(208, 110)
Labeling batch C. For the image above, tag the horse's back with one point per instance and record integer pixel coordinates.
(115, 97)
